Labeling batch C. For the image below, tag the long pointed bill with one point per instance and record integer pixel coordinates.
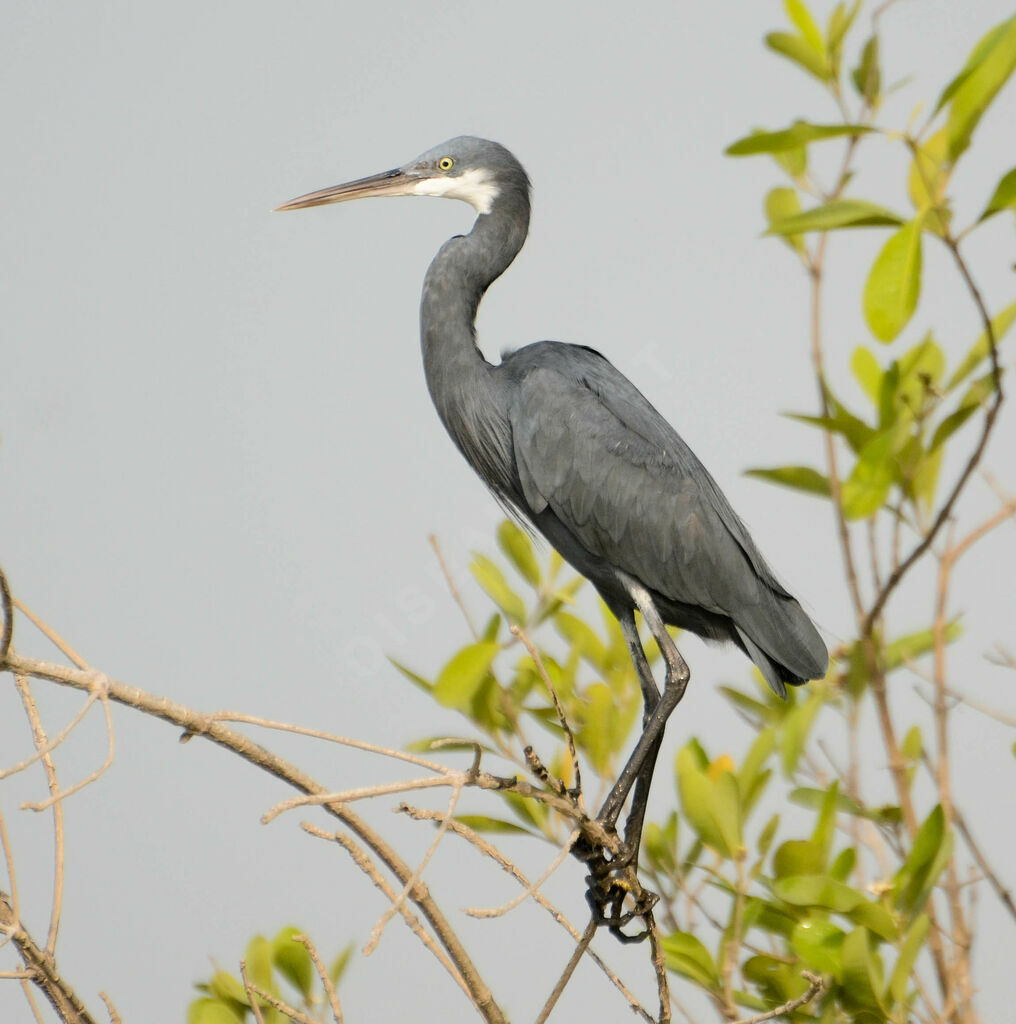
(389, 183)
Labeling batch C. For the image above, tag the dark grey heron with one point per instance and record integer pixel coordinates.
(567, 442)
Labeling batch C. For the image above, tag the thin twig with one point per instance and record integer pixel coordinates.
(330, 737)
(815, 985)
(562, 854)
(114, 1017)
(43, 805)
(255, 1003)
(7, 611)
(52, 744)
(326, 981)
(569, 970)
(52, 635)
(277, 1004)
(489, 850)
(449, 579)
(397, 903)
(562, 717)
(659, 966)
(40, 740)
(348, 796)
(364, 863)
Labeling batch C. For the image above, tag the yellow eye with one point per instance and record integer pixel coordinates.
(446, 163)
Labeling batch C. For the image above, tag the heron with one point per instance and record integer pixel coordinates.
(568, 444)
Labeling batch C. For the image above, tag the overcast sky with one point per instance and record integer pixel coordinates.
(220, 463)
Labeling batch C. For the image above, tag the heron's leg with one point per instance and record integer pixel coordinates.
(675, 683)
(650, 698)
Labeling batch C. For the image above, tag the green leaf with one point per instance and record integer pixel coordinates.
(598, 733)
(798, 857)
(258, 957)
(338, 966)
(913, 943)
(805, 796)
(482, 823)
(866, 489)
(685, 954)
(817, 891)
(793, 161)
(518, 548)
(927, 180)
(976, 395)
(701, 799)
(460, 679)
(876, 919)
(867, 77)
(293, 961)
(928, 857)
(986, 71)
(800, 478)
(211, 1011)
(801, 17)
(843, 864)
(840, 21)
(492, 580)
(861, 982)
(800, 133)
(230, 991)
(582, 638)
(818, 942)
(838, 213)
(796, 727)
(981, 349)
(1004, 196)
(894, 282)
(416, 680)
(783, 203)
(750, 777)
(801, 52)
(912, 646)
(868, 372)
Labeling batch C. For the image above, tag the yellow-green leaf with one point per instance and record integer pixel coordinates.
(860, 976)
(867, 77)
(685, 954)
(866, 489)
(800, 133)
(894, 282)
(868, 372)
(783, 203)
(839, 213)
(800, 478)
(1004, 196)
(927, 181)
(801, 17)
(492, 580)
(293, 960)
(1000, 324)
(801, 52)
(987, 70)
(517, 546)
(910, 948)
(464, 674)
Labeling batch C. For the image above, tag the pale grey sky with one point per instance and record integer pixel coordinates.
(220, 462)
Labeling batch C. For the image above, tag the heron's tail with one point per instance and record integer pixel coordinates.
(783, 642)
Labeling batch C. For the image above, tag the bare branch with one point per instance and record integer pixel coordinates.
(255, 1003)
(114, 1017)
(204, 725)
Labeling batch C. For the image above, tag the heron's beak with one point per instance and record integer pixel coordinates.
(388, 183)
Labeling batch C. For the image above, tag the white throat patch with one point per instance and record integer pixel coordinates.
(473, 187)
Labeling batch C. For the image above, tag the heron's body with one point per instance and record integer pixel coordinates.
(564, 439)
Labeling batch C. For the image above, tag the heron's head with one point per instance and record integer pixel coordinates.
(476, 171)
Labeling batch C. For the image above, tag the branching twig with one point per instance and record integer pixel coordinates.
(815, 985)
(205, 725)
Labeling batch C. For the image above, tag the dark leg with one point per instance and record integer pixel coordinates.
(675, 683)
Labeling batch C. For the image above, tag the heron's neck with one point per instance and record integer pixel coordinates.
(455, 282)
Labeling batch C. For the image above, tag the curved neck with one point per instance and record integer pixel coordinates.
(461, 272)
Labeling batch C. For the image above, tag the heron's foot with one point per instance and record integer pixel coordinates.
(616, 900)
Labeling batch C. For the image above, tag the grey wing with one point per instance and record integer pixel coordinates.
(590, 447)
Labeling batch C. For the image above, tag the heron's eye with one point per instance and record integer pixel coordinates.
(446, 163)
